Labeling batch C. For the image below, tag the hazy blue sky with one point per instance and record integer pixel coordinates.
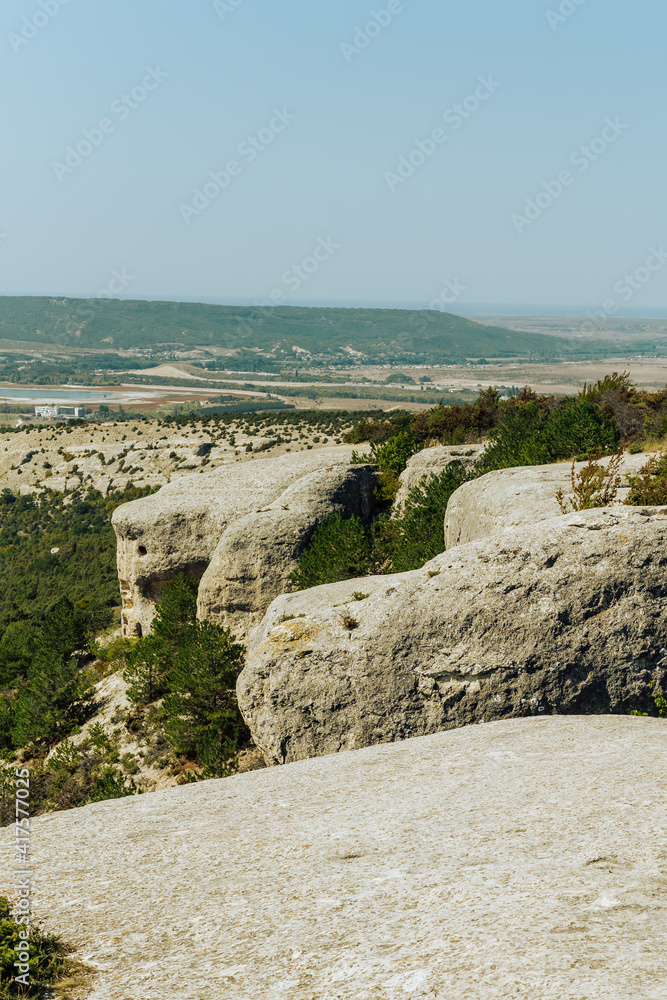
(350, 105)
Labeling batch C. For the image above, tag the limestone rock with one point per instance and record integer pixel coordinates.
(566, 616)
(521, 860)
(264, 444)
(178, 529)
(433, 461)
(257, 553)
(518, 497)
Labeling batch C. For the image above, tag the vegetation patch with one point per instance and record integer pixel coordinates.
(33, 577)
(592, 486)
(523, 430)
(192, 666)
(649, 488)
(344, 549)
(49, 962)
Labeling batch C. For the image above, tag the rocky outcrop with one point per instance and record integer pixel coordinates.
(256, 554)
(521, 860)
(515, 498)
(179, 529)
(433, 461)
(566, 616)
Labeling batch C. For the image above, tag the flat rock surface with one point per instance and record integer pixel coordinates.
(517, 860)
(517, 498)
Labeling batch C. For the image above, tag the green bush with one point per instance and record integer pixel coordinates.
(108, 783)
(340, 549)
(659, 701)
(70, 627)
(392, 457)
(148, 664)
(345, 549)
(72, 776)
(193, 665)
(649, 488)
(151, 658)
(532, 433)
(202, 719)
(48, 956)
(419, 534)
(56, 698)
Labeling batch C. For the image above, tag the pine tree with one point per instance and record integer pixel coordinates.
(177, 610)
(152, 658)
(148, 664)
(56, 698)
(200, 709)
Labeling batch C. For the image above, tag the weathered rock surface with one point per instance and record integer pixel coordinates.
(257, 553)
(179, 528)
(522, 860)
(566, 616)
(514, 498)
(433, 461)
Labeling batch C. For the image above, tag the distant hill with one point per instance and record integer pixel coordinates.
(370, 334)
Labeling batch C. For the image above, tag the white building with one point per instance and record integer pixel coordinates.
(52, 411)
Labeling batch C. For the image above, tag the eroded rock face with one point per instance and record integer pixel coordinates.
(515, 498)
(256, 554)
(433, 461)
(566, 616)
(178, 529)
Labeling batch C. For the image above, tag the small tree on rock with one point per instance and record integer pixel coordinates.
(202, 720)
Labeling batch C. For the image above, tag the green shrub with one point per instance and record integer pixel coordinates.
(72, 776)
(148, 664)
(578, 430)
(419, 534)
(16, 651)
(340, 549)
(392, 458)
(531, 433)
(202, 719)
(649, 488)
(48, 960)
(6, 726)
(151, 658)
(659, 701)
(345, 549)
(108, 783)
(69, 627)
(194, 666)
(56, 698)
